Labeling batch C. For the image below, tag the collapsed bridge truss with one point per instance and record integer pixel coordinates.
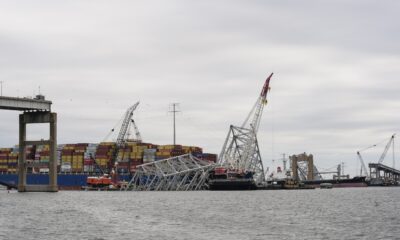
(181, 173)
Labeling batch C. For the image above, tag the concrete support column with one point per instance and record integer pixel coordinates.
(53, 152)
(295, 167)
(32, 118)
(310, 160)
(22, 155)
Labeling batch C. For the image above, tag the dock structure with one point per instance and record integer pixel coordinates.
(387, 174)
(35, 110)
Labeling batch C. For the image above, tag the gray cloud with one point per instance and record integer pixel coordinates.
(335, 88)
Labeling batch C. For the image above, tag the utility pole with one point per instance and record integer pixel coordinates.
(174, 111)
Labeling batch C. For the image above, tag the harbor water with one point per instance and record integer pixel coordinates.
(351, 213)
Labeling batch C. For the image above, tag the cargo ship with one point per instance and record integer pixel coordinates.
(79, 162)
(339, 183)
(66, 181)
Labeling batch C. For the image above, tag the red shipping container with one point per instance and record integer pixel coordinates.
(88, 162)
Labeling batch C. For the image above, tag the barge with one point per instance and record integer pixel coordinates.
(338, 183)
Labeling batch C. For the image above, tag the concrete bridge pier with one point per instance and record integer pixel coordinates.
(34, 118)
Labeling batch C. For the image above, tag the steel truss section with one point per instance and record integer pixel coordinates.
(181, 173)
(302, 171)
(241, 151)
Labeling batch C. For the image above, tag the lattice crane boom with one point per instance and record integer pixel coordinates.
(123, 132)
(125, 125)
(257, 110)
(137, 133)
(385, 151)
(363, 167)
(240, 150)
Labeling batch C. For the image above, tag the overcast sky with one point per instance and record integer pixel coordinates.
(334, 91)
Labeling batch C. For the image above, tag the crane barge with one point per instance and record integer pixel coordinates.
(111, 182)
(240, 165)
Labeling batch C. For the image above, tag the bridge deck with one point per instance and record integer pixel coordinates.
(24, 104)
(385, 168)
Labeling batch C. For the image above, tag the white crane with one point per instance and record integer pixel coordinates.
(125, 125)
(387, 147)
(240, 150)
(137, 133)
(123, 132)
(382, 157)
(363, 167)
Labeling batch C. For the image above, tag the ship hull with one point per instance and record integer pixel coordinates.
(232, 184)
(339, 183)
(64, 181)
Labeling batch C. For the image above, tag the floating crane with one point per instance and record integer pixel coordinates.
(123, 135)
(240, 151)
(104, 181)
(387, 147)
(382, 157)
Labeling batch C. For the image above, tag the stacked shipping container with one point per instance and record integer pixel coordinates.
(12, 161)
(104, 154)
(84, 157)
(42, 156)
(4, 155)
(89, 158)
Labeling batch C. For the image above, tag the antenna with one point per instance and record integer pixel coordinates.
(174, 111)
(39, 90)
(1, 84)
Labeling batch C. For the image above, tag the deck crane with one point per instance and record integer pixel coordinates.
(240, 150)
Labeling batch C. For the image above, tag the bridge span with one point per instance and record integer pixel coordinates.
(35, 110)
(384, 175)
